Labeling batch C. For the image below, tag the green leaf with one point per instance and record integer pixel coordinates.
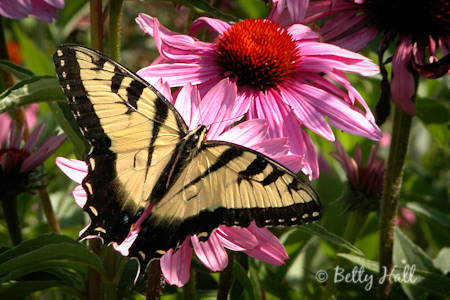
(408, 253)
(320, 231)
(19, 290)
(66, 120)
(431, 111)
(31, 90)
(34, 58)
(429, 212)
(371, 265)
(18, 71)
(42, 252)
(242, 276)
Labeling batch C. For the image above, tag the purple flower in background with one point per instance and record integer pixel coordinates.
(17, 161)
(44, 10)
(419, 28)
(365, 181)
(283, 75)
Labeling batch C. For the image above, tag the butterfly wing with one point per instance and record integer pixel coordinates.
(134, 133)
(225, 184)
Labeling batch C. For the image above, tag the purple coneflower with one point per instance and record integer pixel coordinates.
(421, 29)
(18, 162)
(257, 242)
(365, 182)
(44, 10)
(283, 75)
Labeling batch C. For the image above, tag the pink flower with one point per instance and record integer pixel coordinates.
(419, 28)
(44, 10)
(5, 120)
(278, 74)
(405, 217)
(365, 180)
(256, 242)
(17, 162)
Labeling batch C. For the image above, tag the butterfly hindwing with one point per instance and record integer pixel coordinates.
(226, 184)
(134, 132)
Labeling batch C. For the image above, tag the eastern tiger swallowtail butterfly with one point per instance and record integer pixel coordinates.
(143, 154)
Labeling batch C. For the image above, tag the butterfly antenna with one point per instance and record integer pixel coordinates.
(238, 119)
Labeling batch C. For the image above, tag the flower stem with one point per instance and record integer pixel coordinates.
(226, 278)
(8, 80)
(391, 192)
(9, 205)
(96, 16)
(355, 225)
(93, 282)
(189, 287)
(155, 280)
(110, 283)
(48, 209)
(115, 12)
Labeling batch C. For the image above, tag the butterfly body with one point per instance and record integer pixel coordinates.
(145, 167)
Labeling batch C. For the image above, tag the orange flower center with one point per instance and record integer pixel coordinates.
(259, 52)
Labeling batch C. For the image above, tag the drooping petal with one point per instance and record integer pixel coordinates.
(402, 82)
(204, 22)
(187, 103)
(236, 238)
(269, 248)
(211, 253)
(73, 168)
(15, 9)
(175, 266)
(80, 196)
(34, 138)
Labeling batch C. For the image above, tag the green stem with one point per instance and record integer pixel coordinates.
(96, 16)
(391, 193)
(110, 283)
(115, 12)
(9, 204)
(225, 278)
(155, 280)
(48, 209)
(93, 282)
(189, 287)
(355, 225)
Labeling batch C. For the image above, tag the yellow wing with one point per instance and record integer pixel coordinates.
(226, 184)
(133, 130)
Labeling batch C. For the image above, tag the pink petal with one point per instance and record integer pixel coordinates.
(269, 248)
(301, 32)
(43, 11)
(215, 108)
(175, 266)
(297, 9)
(236, 238)
(204, 22)
(402, 82)
(34, 138)
(15, 9)
(187, 103)
(211, 253)
(247, 133)
(180, 74)
(124, 247)
(80, 196)
(73, 168)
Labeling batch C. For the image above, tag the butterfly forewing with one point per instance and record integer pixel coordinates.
(133, 131)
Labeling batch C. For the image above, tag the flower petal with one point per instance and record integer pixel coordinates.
(211, 253)
(402, 82)
(175, 266)
(80, 196)
(236, 238)
(204, 22)
(73, 168)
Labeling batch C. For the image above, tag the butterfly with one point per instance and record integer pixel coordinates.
(145, 167)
